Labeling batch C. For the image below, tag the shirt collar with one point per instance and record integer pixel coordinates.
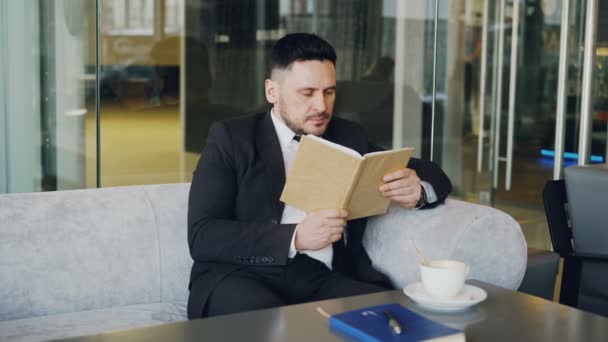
(284, 133)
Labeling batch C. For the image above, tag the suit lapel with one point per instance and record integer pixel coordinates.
(267, 144)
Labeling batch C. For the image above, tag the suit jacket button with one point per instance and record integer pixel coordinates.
(274, 221)
(265, 260)
(258, 260)
(270, 259)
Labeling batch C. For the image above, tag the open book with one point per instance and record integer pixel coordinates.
(326, 175)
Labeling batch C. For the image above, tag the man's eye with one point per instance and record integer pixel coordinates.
(307, 93)
(330, 92)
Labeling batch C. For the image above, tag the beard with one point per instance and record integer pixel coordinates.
(298, 128)
(293, 126)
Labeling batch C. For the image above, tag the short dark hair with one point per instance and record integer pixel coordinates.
(300, 47)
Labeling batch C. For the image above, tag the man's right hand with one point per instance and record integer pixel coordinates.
(320, 228)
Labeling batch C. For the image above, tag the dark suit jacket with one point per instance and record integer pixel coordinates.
(234, 210)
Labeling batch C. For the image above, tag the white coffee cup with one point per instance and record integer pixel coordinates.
(443, 278)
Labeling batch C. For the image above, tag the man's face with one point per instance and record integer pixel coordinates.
(303, 95)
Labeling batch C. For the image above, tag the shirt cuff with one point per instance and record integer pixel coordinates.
(292, 248)
(431, 196)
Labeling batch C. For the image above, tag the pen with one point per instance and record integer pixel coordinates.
(392, 322)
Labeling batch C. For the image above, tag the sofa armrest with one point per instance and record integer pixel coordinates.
(487, 239)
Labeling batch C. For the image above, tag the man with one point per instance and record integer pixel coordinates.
(251, 251)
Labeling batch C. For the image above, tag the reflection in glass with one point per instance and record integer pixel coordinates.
(140, 57)
(535, 94)
(161, 91)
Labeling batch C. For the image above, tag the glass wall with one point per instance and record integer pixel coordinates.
(45, 95)
(141, 62)
(496, 134)
(122, 92)
(161, 88)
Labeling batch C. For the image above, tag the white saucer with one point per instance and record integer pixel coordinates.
(468, 296)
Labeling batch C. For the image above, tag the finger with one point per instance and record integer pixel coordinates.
(405, 191)
(332, 223)
(392, 185)
(401, 173)
(332, 213)
(335, 237)
(401, 183)
(336, 230)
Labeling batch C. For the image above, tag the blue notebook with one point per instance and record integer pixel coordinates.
(371, 324)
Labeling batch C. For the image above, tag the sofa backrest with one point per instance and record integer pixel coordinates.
(76, 250)
(490, 241)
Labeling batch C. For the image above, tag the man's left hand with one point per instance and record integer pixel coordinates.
(402, 186)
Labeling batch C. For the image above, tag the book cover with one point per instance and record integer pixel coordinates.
(371, 324)
(326, 175)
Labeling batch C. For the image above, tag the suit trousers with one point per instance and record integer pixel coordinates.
(304, 279)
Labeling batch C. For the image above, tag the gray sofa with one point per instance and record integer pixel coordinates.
(83, 262)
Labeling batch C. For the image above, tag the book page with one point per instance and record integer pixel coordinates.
(320, 177)
(338, 147)
(366, 199)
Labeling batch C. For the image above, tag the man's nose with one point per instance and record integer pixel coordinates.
(319, 103)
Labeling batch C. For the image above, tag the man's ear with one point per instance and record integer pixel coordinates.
(271, 91)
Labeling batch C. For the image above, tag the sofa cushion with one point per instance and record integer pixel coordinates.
(169, 203)
(91, 322)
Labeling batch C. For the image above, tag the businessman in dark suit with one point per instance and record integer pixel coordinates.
(250, 250)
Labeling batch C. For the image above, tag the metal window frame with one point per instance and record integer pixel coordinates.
(482, 83)
(512, 92)
(3, 99)
(560, 116)
(584, 142)
(498, 104)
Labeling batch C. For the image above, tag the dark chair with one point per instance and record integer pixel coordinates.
(577, 214)
(541, 273)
